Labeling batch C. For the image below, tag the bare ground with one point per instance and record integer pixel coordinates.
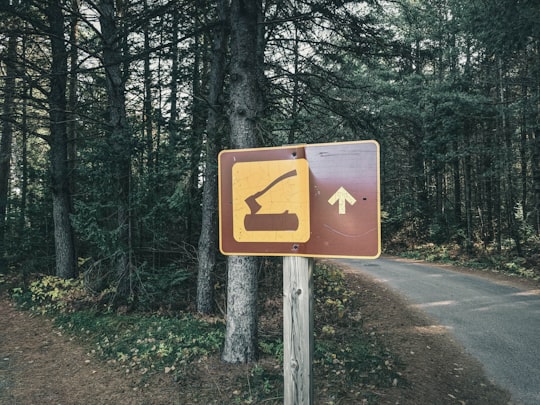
(39, 365)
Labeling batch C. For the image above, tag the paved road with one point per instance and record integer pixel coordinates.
(497, 324)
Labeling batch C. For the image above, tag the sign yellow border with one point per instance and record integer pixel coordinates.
(359, 163)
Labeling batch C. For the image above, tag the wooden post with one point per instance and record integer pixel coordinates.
(298, 330)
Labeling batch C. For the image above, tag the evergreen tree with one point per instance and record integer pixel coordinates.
(245, 111)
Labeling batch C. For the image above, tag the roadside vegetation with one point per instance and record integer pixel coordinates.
(481, 258)
(349, 365)
(161, 334)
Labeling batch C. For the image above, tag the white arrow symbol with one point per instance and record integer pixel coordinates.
(343, 196)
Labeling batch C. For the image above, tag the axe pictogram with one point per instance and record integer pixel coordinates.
(269, 222)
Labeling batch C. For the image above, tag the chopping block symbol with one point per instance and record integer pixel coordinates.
(269, 222)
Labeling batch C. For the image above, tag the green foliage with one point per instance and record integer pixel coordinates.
(486, 259)
(339, 348)
(161, 288)
(346, 362)
(51, 294)
(88, 222)
(263, 379)
(166, 286)
(135, 342)
(146, 343)
(261, 384)
(273, 348)
(332, 297)
(422, 77)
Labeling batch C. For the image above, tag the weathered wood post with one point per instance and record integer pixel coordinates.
(298, 330)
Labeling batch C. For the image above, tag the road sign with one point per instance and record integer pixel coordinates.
(318, 200)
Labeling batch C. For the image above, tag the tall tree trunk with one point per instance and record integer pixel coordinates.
(24, 149)
(119, 139)
(296, 87)
(245, 108)
(523, 157)
(173, 121)
(197, 131)
(72, 90)
(7, 139)
(536, 176)
(148, 116)
(507, 164)
(468, 203)
(536, 144)
(72, 101)
(457, 184)
(63, 232)
(422, 209)
(207, 246)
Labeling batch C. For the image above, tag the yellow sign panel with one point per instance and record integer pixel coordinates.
(271, 201)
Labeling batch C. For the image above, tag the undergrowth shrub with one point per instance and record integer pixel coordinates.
(484, 258)
(332, 297)
(341, 349)
(50, 294)
(165, 287)
(146, 343)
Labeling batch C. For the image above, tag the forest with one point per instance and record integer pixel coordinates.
(114, 111)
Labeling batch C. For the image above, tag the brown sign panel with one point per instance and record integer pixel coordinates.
(319, 200)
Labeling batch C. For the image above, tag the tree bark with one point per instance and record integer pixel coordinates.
(72, 129)
(148, 114)
(207, 245)
(7, 139)
(63, 232)
(119, 140)
(245, 108)
(536, 176)
(72, 89)
(173, 121)
(197, 131)
(24, 149)
(510, 193)
(296, 87)
(457, 184)
(241, 332)
(536, 147)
